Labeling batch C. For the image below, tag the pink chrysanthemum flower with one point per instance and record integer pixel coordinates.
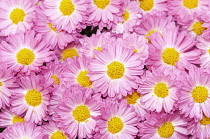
(138, 41)
(159, 90)
(172, 49)
(8, 118)
(24, 131)
(117, 120)
(131, 18)
(25, 52)
(194, 98)
(50, 34)
(7, 84)
(51, 131)
(16, 16)
(105, 13)
(115, 70)
(77, 112)
(76, 72)
(153, 23)
(66, 15)
(186, 10)
(162, 126)
(95, 42)
(31, 99)
(153, 7)
(204, 45)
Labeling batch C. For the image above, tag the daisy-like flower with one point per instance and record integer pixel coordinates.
(204, 46)
(7, 84)
(25, 52)
(131, 18)
(23, 131)
(172, 49)
(194, 98)
(77, 112)
(153, 23)
(199, 129)
(31, 99)
(158, 89)
(162, 126)
(76, 72)
(157, 7)
(51, 131)
(8, 118)
(95, 42)
(16, 16)
(66, 15)
(50, 34)
(185, 10)
(105, 13)
(138, 41)
(117, 120)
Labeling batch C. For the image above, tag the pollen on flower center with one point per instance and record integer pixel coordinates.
(199, 94)
(17, 119)
(58, 135)
(98, 48)
(81, 113)
(161, 90)
(56, 80)
(101, 3)
(131, 99)
(33, 98)
(115, 125)
(170, 56)
(166, 130)
(0, 83)
(126, 15)
(51, 27)
(205, 120)
(25, 56)
(83, 79)
(146, 5)
(197, 28)
(17, 15)
(115, 70)
(66, 7)
(71, 52)
(191, 4)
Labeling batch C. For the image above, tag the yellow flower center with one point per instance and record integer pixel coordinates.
(115, 125)
(170, 56)
(205, 120)
(51, 27)
(56, 80)
(81, 113)
(58, 135)
(199, 94)
(25, 56)
(17, 15)
(166, 130)
(66, 7)
(191, 4)
(101, 3)
(115, 70)
(161, 90)
(98, 48)
(69, 53)
(17, 119)
(197, 28)
(83, 79)
(126, 15)
(209, 51)
(33, 98)
(0, 83)
(131, 99)
(150, 33)
(146, 5)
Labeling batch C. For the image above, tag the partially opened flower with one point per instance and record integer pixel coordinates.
(16, 16)
(25, 52)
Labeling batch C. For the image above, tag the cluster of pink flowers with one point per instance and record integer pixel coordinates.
(105, 69)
